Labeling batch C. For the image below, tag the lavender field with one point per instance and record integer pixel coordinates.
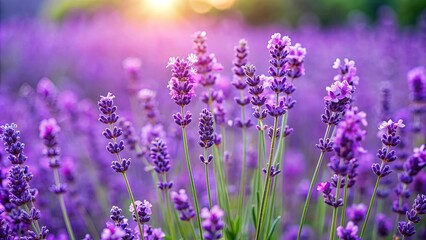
(212, 128)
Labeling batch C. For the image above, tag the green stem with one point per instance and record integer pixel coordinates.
(370, 206)
(265, 194)
(345, 194)
(191, 178)
(129, 190)
(311, 186)
(244, 166)
(169, 211)
(379, 209)
(193, 231)
(206, 165)
(37, 231)
(335, 210)
(62, 203)
(132, 199)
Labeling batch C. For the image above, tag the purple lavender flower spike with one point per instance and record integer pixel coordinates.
(241, 52)
(295, 59)
(143, 209)
(207, 65)
(160, 157)
(181, 202)
(112, 232)
(147, 99)
(18, 192)
(153, 233)
(207, 135)
(132, 67)
(122, 222)
(348, 233)
(417, 83)
(384, 227)
(48, 93)
(348, 71)
(212, 223)
(356, 213)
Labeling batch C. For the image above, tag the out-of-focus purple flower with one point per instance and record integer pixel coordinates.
(48, 127)
(147, 99)
(207, 64)
(356, 213)
(132, 66)
(241, 52)
(212, 222)
(181, 202)
(349, 232)
(129, 133)
(143, 209)
(112, 232)
(384, 226)
(417, 84)
(295, 59)
(153, 233)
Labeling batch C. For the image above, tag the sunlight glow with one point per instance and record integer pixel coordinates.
(161, 6)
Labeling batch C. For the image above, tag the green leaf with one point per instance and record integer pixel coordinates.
(253, 215)
(274, 224)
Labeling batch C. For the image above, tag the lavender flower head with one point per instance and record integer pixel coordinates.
(356, 213)
(207, 63)
(153, 233)
(383, 225)
(295, 59)
(143, 209)
(348, 233)
(161, 159)
(132, 66)
(419, 208)
(207, 135)
(147, 99)
(48, 129)
(112, 232)
(181, 202)
(181, 84)
(417, 83)
(212, 222)
(348, 71)
(241, 52)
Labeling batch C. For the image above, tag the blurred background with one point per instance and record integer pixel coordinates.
(288, 12)
(80, 45)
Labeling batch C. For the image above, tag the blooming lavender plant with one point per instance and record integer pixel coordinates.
(212, 223)
(109, 117)
(49, 129)
(389, 139)
(18, 199)
(413, 216)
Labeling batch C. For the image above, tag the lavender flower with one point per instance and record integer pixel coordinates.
(295, 59)
(122, 222)
(132, 66)
(348, 233)
(207, 135)
(112, 232)
(143, 210)
(161, 159)
(147, 99)
(412, 166)
(207, 65)
(241, 52)
(383, 225)
(356, 213)
(18, 192)
(348, 71)
(181, 202)
(417, 83)
(212, 223)
(419, 208)
(153, 233)
(256, 90)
